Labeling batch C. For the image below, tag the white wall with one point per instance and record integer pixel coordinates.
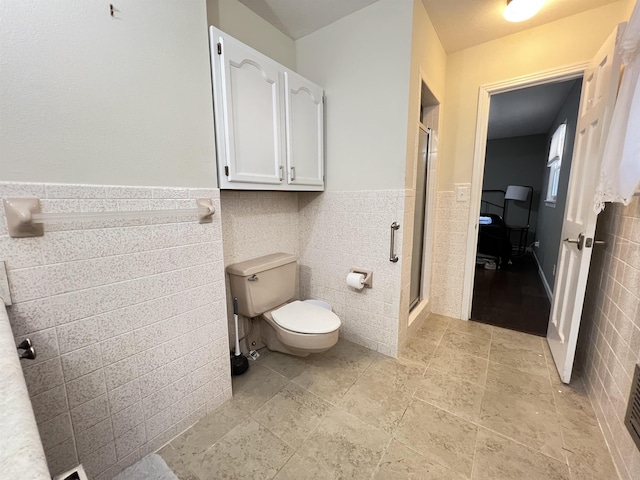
(240, 22)
(363, 62)
(87, 98)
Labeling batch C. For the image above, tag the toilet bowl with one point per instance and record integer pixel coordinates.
(300, 328)
(265, 288)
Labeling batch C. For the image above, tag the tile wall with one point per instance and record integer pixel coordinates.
(128, 319)
(405, 275)
(609, 343)
(330, 232)
(450, 245)
(256, 224)
(345, 229)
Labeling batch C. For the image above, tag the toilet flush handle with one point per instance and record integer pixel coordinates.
(253, 278)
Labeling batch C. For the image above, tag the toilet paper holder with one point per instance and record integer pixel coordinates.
(368, 276)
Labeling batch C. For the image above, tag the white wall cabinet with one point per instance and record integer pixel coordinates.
(304, 122)
(269, 121)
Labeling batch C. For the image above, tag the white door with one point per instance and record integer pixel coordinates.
(304, 117)
(599, 88)
(251, 120)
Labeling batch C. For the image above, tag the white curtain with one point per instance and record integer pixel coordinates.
(557, 144)
(620, 174)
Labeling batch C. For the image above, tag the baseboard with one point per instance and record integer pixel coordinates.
(547, 288)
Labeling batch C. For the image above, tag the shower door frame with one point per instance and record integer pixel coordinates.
(425, 261)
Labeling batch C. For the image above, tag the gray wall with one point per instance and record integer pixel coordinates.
(90, 98)
(550, 217)
(517, 161)
(366, 141)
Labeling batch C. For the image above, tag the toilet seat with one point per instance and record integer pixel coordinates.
(304, 317)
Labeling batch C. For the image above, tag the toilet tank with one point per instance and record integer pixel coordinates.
(263, 283)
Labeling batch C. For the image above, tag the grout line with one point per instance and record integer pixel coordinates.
(384, 452)
(478, 425)
(528, 447)
(601, 427)
(473, 457)
(553, 390)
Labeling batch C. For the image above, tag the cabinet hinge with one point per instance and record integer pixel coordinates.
(226, 170)
(219, 48)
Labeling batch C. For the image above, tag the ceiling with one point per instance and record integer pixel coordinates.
(464, 23)
(528, 111)
(460, 23)
(297, 18)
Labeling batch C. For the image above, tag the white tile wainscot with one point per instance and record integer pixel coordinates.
(128, 318)
(256, 224)
(449, 253)
(340, 230)
(609, 341)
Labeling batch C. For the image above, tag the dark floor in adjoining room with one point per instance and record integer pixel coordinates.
(513, 297)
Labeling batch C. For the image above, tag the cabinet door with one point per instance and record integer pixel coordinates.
(304, 121)
(252, 114)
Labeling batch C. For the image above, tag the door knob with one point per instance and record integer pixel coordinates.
(578, 241)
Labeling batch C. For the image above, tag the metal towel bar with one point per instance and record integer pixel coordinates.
(392, 256)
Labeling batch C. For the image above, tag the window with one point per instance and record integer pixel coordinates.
(555, 163)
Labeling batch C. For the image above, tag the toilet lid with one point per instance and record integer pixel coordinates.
(304, 317)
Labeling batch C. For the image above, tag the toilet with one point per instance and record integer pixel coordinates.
(265, 288)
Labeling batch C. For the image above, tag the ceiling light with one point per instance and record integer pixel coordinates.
(521, 10)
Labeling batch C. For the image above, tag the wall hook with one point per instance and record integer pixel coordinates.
(113, 10)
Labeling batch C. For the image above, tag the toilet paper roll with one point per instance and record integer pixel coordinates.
(355, 280)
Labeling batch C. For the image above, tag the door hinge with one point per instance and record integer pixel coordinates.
(226, 170)
(219, 48)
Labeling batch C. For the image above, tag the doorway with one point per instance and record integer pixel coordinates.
(524, 187)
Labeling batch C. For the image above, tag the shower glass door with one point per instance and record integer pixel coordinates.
(417, 253)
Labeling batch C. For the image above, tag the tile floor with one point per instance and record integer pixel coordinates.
(464, 401)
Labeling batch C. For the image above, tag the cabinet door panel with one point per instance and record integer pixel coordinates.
(304, 120)
(251, 89)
